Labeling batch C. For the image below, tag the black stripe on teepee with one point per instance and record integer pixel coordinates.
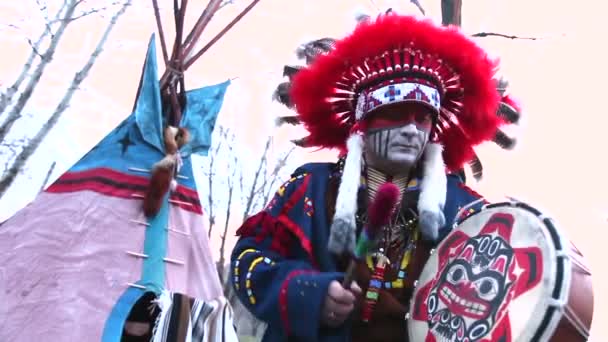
(123, 186)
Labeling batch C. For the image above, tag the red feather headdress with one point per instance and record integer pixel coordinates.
(404, 54)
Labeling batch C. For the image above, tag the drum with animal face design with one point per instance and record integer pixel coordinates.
(504, 274)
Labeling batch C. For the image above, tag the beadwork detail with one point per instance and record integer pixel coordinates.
(282, 188)
(253, 264)
(308, 207)
(236, 266)
(375, 284)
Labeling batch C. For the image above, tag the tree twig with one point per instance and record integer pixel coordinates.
(44, 10)
(230, 181)
(46, 58)
(11, 150)
(274, 176)
(225, 3)
(242, 186)
(493, 34)
(212, 158)
(48, 176)
(87, 13)
(7, 97)
(252, 191)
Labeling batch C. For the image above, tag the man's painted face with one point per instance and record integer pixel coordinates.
(397, 134)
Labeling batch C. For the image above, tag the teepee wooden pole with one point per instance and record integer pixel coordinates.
(190, 61)
(212, 7)
(172, 84)
(161, 33)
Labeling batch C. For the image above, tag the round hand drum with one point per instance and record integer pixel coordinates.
(504, 274)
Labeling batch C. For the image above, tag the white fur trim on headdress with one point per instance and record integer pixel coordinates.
(433, 191)
(343, 229)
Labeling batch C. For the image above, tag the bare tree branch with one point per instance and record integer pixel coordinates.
(260, 190)
(212, 159)
(46, 58)
(45, 14)
(225, 3)
(29, 149)
(230, 182)
(48, 176)
(493, 34)
(87, 13)
(7, 96)
(274, 176)
(10, 149)
(242, 186)
(252, 191)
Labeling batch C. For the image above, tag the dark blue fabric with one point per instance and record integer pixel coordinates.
(305, 292)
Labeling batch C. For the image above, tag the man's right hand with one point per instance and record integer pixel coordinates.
(339, 303)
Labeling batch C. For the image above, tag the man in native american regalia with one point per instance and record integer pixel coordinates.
(404, 101)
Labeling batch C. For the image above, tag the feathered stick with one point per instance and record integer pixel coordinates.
(379, 214)
(163, 173)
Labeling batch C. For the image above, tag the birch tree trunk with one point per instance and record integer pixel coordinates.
(29, 149)
(6, 98)
(45, 59)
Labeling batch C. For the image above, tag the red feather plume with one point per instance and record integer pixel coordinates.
(381, 209)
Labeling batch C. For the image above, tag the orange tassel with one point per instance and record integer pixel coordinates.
(163, 171)
(160, 182)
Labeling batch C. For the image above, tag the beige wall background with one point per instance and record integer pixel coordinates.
(559, 164)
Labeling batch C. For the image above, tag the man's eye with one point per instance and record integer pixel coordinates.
(422, 117)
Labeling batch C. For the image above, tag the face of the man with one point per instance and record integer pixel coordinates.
(396, 136)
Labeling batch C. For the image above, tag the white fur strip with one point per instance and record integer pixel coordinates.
(433, 187)
(342, 235)
(346, 201)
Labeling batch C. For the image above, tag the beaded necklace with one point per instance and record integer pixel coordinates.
(401, 233)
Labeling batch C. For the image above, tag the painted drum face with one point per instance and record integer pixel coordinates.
(478, 277)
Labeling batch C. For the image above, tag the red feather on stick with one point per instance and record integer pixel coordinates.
(380, 212)
(381, 209)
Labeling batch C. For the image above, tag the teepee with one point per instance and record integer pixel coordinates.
(117, 244)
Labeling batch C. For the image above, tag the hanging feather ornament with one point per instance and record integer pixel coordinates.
(503, 140)
(162, 178)
(289, 120)
(501, 86)
(308, 51)
(281, 94)
(509, 111)
(476, 168)
(291, 70)
(300, 142)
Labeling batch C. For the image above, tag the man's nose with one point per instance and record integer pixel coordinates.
(408, 130)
